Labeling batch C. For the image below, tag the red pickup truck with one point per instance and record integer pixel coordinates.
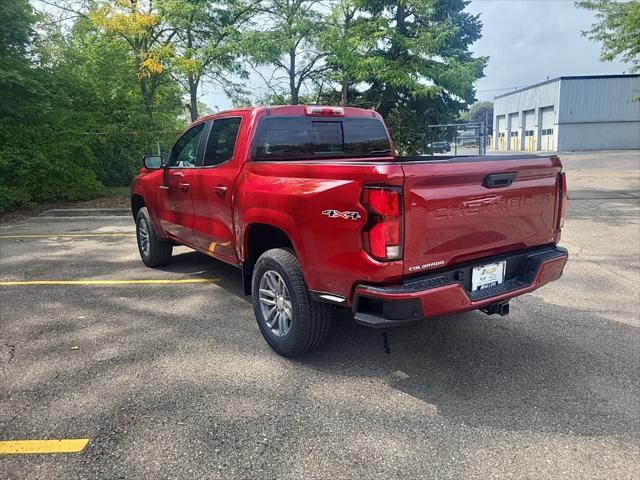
(318, 210)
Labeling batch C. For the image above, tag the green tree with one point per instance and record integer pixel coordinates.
(206, 44)
(482, 112)
(425, 52)
(117, 127)
(420, 70)
(349, 39)
(37, 161)
(17, 84)
(73, 100)
(288, 44)
(617, 28)
(139, 24)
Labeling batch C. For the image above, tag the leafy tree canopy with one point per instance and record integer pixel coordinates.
(617, 28)
(91, 85)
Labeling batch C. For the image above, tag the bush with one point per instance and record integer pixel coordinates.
(12, 198)
(42, 167)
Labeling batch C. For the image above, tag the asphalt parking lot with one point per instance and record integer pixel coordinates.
(167, 376)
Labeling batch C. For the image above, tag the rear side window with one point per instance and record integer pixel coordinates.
(222, 141)
(281, 138)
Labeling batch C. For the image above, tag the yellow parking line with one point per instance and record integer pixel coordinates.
(72, 445)
(11, 283)
(54, 235)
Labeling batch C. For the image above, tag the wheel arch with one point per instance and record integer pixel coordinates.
(137, 202)
(258, 238)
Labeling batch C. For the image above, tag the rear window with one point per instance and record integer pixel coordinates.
(303, 137)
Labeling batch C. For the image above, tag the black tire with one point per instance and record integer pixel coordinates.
(159, 251)
(310, 320)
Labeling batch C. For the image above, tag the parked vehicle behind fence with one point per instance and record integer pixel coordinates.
(439, 147)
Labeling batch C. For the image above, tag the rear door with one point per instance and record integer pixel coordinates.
(212, 192)
(462, 209)
(176, 207)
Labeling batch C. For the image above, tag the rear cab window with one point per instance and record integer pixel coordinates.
(222, 141)
(293, 138)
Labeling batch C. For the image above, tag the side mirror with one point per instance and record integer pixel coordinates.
(152, 162)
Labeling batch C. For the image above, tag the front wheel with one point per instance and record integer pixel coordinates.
(290, 321)
(153, 251)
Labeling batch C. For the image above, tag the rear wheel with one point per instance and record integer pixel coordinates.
(291, 322)
(153, 251)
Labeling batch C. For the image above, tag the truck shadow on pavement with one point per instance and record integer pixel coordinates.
(544, 368)
(564, 370)
(199, 265)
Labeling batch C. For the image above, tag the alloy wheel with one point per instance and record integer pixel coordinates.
(275, 303)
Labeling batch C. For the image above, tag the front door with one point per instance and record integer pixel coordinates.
(176, 213)
(212, 190)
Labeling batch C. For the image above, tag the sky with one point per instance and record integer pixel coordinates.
(526, 40)
(529, 40)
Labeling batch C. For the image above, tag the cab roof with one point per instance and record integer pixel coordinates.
(294, 110)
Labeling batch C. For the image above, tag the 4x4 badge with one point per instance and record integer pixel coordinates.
(345, 215)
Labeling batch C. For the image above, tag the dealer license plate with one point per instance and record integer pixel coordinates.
(488, 276)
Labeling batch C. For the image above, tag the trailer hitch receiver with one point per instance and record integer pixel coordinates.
(500, 308)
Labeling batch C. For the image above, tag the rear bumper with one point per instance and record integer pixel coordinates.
(448, 291)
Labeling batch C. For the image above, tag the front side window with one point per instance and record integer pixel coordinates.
(281, 138)
(222, 141)
(185, 152)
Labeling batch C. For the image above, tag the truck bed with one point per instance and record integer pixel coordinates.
(466, 158)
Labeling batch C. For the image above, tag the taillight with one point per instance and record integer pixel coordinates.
(382, 235)
(563, 200)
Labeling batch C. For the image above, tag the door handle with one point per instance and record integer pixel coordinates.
(164, 187)
(178, 174)
(183, 186)
(220, 190)
(498, 180)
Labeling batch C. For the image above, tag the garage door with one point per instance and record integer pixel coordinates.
(548, 119)
(501, 128)
(529, 129)
(514, 131)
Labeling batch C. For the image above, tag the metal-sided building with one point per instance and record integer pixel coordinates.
(570, 113)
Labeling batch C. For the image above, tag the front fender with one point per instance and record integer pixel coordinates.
(145, 185)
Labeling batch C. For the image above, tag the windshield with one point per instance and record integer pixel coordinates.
(302, 137)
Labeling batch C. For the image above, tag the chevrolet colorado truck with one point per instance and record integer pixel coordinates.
(316, 208)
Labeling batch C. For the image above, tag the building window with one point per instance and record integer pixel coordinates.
(547, 131)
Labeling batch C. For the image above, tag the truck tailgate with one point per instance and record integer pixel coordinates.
(453, 213)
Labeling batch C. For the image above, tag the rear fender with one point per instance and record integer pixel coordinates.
(274, 218)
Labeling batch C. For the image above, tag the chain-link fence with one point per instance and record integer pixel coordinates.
(456, 139)
(119, 155)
